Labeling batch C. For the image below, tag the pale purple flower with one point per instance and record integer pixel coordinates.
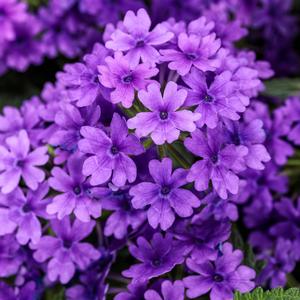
(110, 155)
(164, 196)
(23, 211)
(221, 277)
(124, 79)
(165, 119)
(77, 195)
(17, 161)
(137, 40)
(195, 51)
(251, 135)
(158, 257)
(215, 101)
(169, 291)
(219, 163)
(66, 252)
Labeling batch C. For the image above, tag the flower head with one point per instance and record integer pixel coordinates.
(169, 291)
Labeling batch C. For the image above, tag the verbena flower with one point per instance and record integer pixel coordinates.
(16, 161)
(158, 257)
(220, 277)
(66, 252)
(169, 291)
(110, 155)
(165, 197)
(165, 119)
(138, 41)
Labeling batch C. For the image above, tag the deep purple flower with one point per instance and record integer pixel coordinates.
(169, 291)
(251, 135)
(77, 196)
(11, 256)
(135, 292)
(17, 161)
(165, 119)
(24, 211)
(138, 41)
(11, 12)
(110, 155)
(219, 163)
(203, 234)
(221, 277)
(81, 79)
(164, 197)
(124, 217)
(70, 120)
(278, 265)
(66, 251)
(124, 79)
(157, 258)
(215, 101)
(195, 51)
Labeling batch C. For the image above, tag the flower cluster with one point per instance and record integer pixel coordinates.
(136, 161)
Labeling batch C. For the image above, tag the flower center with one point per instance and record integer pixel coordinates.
(27, 208)
(214, 158)
(114, 150)
(191, 56)
(20, 163)
(165, 190)
(127, 78)
(163, 115)
(208, 98)
(156, 262)
(77, 190)
(218, 278)
(67, 243)
(140, 43)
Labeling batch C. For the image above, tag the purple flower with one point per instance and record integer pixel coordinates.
(138, 41)
(81, 79)
(11, 257)
(165, 119)
(135, 292)
(219, 163)
(169, 291)
(157, 258)
(23, 211)
(124, 79)
(164, 197)
(77, 196)
(11, 12)
(65, 251)
(218, 100)
(17, 161)
(195, 51)
(70, 120)
(110, 155)
(221, 277)
(279, 265)
(251, 135)
(124, 215)
(203, 234)
(292, 111)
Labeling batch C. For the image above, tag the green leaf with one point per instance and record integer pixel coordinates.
(275, 294)
(282, 88)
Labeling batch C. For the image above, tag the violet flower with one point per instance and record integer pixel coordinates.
(17, 161)
(219, 163)
(221, 277)
(124, 79)
(77, 196)
(138, 41)
(110, 155)
(158, 257)
(66, 252)
(164, 197)
(165, 119)
(169, 291)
